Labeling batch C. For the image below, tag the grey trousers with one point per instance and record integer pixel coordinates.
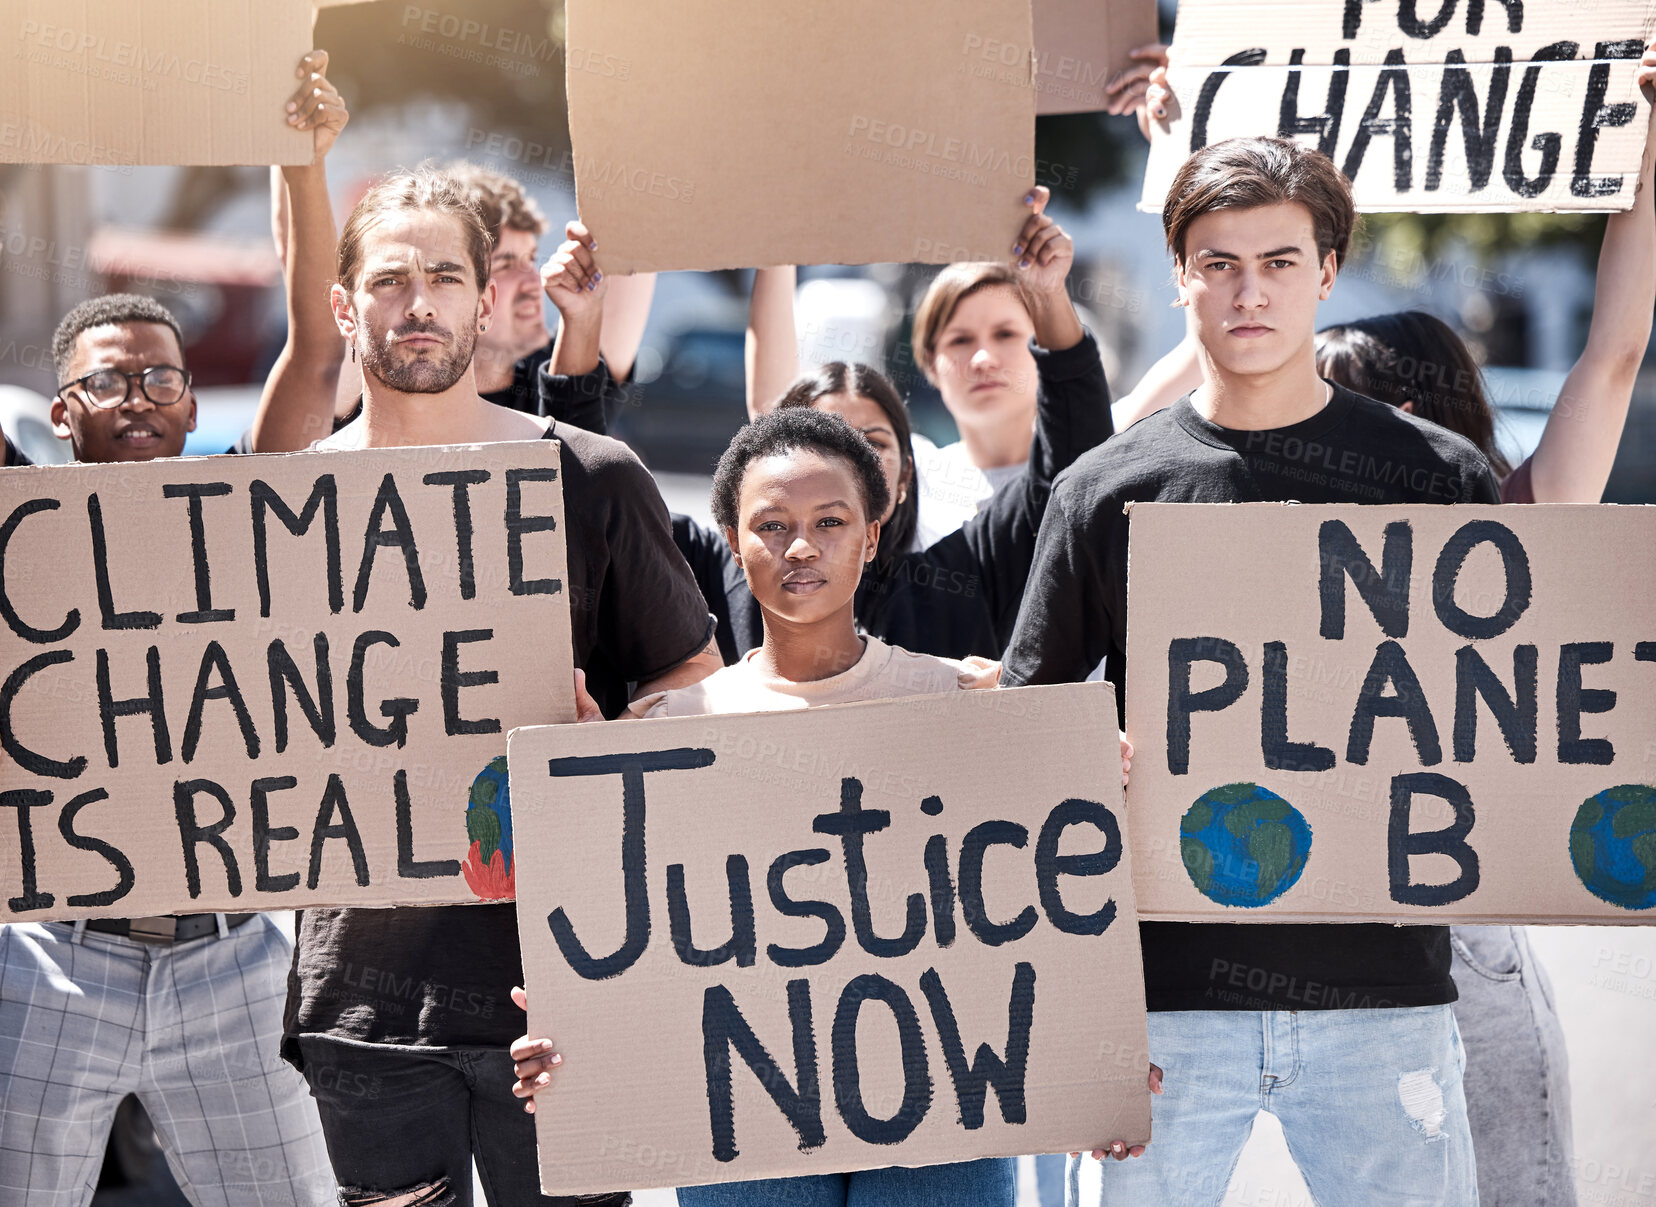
(1517, 1073)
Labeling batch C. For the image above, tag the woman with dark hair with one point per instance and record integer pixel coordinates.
(798, 496)
(1517, 1072)
(960, 595)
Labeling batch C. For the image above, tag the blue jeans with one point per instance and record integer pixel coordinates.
(988, 1183)
(1370, 1102)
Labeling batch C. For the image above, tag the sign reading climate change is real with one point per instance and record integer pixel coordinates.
(1426, 105)
(899, 932)
(1404, 714)
(243, 683)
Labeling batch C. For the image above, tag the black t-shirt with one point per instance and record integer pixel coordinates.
(441, 976)
(958, 597)
(1354, 450)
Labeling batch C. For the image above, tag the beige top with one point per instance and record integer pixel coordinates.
(884, 672)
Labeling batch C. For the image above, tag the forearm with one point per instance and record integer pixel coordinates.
(772, 351)
(575, 350)
(1057, 326)
(626, 312)
(1168, 380)
(1578, 446)
(297, 405)
(685, 673)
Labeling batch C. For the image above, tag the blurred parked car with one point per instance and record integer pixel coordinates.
(681, 418)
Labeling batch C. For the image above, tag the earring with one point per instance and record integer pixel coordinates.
(353, 352)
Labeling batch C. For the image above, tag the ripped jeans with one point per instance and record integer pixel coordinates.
(403, 1126)
(1370, 1102)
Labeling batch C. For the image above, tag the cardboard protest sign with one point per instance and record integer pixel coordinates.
(1425, 107)
(152, 81)
(795, 943)
(749, 133)
(243, 683)
(1080, 46)
(1403, 714)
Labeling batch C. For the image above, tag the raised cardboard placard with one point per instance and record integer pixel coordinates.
(1080, 46)
(1398, 714)
(1436, 108)
(899, 932)
(747, 133)
(246, 683)
(152, 81)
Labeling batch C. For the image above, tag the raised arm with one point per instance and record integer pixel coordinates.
(1578, 446)
(772, 351)
(1164, 383)
(626, 312)
(297, 405)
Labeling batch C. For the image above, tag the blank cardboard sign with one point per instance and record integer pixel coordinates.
(1080, 46)
(861, 936)
(152, 81)
(746, 133)
(1426, 108)
(244, 683)
(1400, 714)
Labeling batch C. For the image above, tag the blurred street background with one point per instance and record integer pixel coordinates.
(1518, 287)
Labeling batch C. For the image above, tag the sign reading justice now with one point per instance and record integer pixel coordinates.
(1426, 105)
(1404, 714)
(242, 683)
(899, 932)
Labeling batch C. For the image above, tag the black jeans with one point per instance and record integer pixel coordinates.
(396, 1120)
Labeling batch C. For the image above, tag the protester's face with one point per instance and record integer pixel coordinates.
(520, 319)
(1252, 279)
(803, 535)
(983, 366)
(869, 418)
(137, 429)
(416, 309)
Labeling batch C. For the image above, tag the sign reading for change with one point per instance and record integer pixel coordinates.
(899, 932)
(243, 683)
(1403, 714)
(1426, 105)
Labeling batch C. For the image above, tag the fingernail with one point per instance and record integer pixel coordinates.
(596, 277)
(1029, 198)
(292, 106)
(557, 1058)
(1017, 249)
(544, 1079)
(1023, 263)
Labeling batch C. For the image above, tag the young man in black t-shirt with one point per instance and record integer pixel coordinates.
(1364, 1074)
(401, 1018)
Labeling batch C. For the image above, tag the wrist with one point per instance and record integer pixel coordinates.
(1057, 326)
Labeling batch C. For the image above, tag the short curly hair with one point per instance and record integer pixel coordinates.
(500, 199)
(108, 311)
(797, 429)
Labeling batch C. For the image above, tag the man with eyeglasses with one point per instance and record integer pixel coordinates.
(185, 1012)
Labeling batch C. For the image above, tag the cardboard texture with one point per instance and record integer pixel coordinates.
(1080, 46)
(1400, 714)
(152, 81)
(750, 133)
(1427, 108)
(843, 987)
(224, 688)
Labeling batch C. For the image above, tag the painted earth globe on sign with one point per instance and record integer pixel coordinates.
(488, 866)
(1243, 845)
(1613, 845)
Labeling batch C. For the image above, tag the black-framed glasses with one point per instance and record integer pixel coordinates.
(163, 385)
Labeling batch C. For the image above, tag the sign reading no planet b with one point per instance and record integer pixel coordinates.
(1400, 714)
(892, 933)
(245, 683)
(1426, 105)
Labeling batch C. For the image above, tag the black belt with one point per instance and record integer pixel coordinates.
(180, 929)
